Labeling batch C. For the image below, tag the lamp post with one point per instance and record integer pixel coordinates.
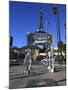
(55, 12)
(65, 24)
(65, 40)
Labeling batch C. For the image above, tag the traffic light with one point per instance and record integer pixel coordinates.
(55, 10)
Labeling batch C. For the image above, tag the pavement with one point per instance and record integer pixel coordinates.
(39, 77)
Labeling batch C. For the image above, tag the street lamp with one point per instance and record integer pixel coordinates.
(55, 12)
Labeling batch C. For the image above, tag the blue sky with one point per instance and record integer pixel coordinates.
(24, 17)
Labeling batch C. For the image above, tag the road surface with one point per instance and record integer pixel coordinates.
(39, 77)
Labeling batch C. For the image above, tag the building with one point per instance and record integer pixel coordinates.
(40, 38)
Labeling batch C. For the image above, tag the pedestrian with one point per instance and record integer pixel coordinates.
(28, 61)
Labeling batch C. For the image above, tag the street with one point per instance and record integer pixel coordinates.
(40, 76)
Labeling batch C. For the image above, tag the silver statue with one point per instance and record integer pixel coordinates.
(28, 61)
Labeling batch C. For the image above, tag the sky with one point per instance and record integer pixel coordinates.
(24, 18)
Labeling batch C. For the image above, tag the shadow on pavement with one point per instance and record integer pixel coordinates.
(24, 76)
(41, 83)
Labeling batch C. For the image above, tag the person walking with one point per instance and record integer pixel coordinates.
(28, 61)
